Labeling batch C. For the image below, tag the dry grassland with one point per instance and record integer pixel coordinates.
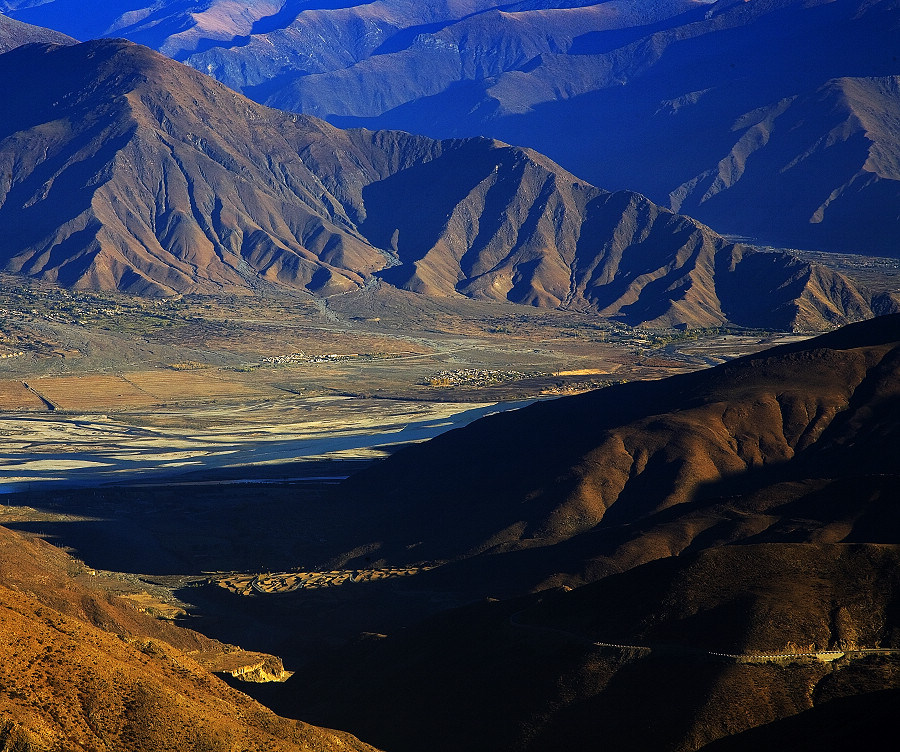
(93, 392)
(15, 396)
(173, 386)
(152, 605)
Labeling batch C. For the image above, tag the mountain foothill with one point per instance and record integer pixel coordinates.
(81, 669)
(123, 170)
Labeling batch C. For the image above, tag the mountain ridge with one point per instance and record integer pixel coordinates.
(685, 102)
(727, 111)
(135, 173)
(15, 33)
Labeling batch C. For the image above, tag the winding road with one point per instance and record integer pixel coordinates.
(756, 657)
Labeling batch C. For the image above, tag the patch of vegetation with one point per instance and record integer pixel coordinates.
(474, 377)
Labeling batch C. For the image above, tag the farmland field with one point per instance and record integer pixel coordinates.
(14, 395)
(90, 392)
(177, 386)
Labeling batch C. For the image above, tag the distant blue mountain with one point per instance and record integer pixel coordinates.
(773, 119)
(15, 33)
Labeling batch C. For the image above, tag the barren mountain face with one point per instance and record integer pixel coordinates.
(124, 170)
(83, 670)
(770, 119)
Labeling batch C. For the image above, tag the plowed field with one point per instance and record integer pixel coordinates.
(15, 396)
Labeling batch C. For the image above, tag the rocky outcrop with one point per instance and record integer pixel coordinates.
(256, 668)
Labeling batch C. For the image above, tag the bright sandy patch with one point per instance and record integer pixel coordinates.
(92, 449)
(52, 465)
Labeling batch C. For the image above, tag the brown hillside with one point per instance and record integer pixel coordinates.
(79, 671)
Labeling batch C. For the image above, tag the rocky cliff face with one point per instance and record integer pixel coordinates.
(256, 668)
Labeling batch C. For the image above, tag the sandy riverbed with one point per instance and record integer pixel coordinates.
(96, 449)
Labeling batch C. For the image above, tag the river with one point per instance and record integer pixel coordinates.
(92, 450)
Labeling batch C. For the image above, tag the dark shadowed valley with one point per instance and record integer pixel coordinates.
(735, 525)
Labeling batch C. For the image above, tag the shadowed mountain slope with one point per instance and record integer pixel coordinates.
(661, 455)
(774, 120)
(15, 33)
(840, 724)
(526, 674)
(120, 169)
(81, 671)
(713, 526)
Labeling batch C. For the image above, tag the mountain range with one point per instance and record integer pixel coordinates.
(773, 119)
(705, 562)
(121, 169)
